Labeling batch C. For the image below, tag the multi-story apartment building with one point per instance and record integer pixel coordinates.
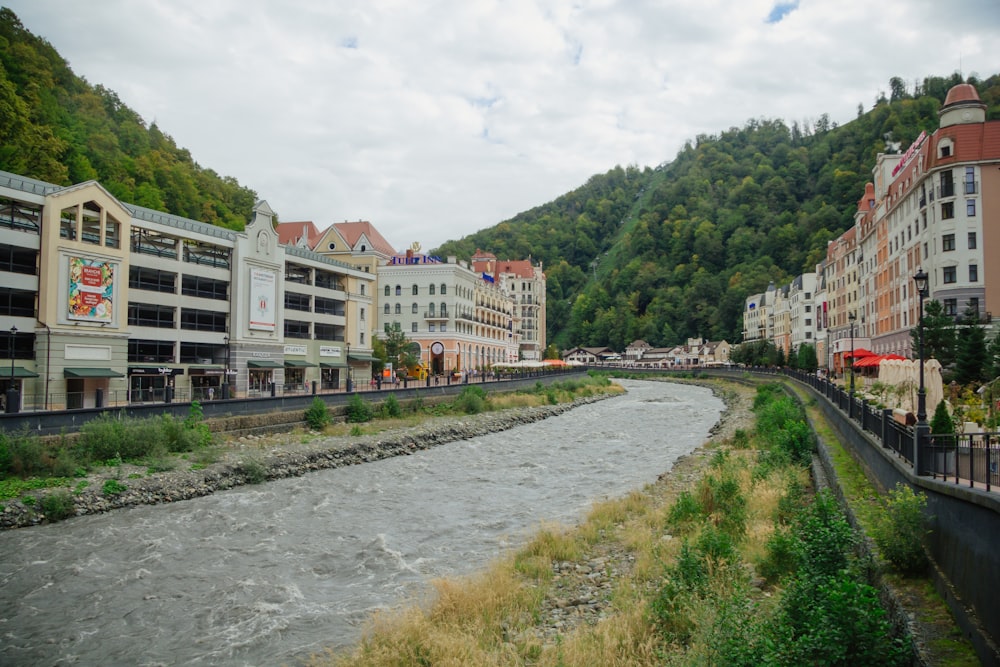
(459, 319)
(932, 207)
(111, 302)
(526, 283)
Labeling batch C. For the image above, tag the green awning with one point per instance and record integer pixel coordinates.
(263, 363)
(290, 363)
(91, 373)
(360, 357)
(327, 365)
(18, 372)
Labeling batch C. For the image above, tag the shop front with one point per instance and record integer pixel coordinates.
(88, 387)
(296, 381)
(261, 377)
(148, 384)
(330, 375)
(206, 382)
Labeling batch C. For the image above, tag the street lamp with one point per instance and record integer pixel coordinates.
(225, 383)
(852, 316)
(12, 398)
(350, 381)
(920, 279)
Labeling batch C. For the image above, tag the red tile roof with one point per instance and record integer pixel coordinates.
(353, 231)
(289, 233)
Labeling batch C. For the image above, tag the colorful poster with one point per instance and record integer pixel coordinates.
(263, 292)
(91, 289)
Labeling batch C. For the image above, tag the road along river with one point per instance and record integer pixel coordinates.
(266, 575)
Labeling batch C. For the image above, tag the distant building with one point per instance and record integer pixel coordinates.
(526, 283)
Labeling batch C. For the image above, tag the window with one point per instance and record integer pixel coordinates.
(296, 301)
(297, 329)
(444, 289)
(444, 327)
(362, 315)
(950, 307)
(150, 315)
(949, 274)
(972, 240)
(361, 289)
(202, 320)
(430, 289)
(206, 288)
(399, 291)
(399, 309)
(155, 351)
(947, 242)
(809, 308)
(361, 338)
(414, 308)
(948, 210)
(970, 208)
(17, 303)
(808, 322)
(973, 273)
(431, 309)
(328, 331)
(325, 306)
(416, 290)
(413, 327)
(970, 180)
(430, 327)
(153, 280)
(386, 309)
(444, 309)
(387, 290)
(199, 353)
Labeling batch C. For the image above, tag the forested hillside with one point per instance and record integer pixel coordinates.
(56, 127)
(670, 253)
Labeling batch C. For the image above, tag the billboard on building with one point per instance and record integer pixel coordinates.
(263, 293)
(91, 287)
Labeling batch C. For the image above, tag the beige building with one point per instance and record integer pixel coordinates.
(526, 283)
(111, 303)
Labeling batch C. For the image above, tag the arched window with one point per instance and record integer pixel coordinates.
(399, 310)
(444, 289)
(414, 311)
(430, 289)
(431, 309)
(387, 290)
(444, 309)
(399, 290)
(416, 290)
(386, 307)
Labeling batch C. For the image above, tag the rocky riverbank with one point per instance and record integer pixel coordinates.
(254, 459)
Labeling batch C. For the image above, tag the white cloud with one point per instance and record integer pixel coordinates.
(436, 119)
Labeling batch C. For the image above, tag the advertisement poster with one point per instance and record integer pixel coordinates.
(91, 289)
(263, 292)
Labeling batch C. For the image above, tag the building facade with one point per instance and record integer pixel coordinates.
(111, 303)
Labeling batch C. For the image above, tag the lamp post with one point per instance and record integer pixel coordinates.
(350, 380)
(852, 316)
(12, 397)
(225, 379)
(920, 279)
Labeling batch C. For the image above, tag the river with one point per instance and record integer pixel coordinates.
(267, 574)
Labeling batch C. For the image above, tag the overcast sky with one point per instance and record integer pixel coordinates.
(436, 119)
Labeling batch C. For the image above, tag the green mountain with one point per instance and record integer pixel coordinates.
(661, 254)
(670, 253)
(56, 127)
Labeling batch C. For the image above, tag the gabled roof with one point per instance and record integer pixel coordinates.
(353, 232)
(292, 233)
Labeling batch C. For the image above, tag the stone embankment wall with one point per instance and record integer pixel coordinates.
(288, 460)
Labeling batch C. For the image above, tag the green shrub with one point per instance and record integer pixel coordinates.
(356, 431)
(112, 487)
(471, 401)
(941, 422)
(782, 556)
(253, 470)
(722, 499)
(797, 440)
(684, 512)
(900, 529)
(22, 455)
(827, 538)
(317, 414)
(359, 410)
(58, 505)
(391, 407)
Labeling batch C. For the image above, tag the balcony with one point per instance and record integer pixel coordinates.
(431, 315)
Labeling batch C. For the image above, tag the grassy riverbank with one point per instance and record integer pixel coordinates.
(727, 560)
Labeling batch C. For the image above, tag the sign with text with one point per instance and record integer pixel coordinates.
(91, 289)
(263, 293)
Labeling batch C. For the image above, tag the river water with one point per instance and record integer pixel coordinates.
(266, 575)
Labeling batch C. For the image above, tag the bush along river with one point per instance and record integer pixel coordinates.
(268, 574)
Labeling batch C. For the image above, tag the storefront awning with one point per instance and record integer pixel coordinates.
(18, 373)
(360, 357)
(289, 363)
(264, 363)
(91, 373)
(329, 365)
